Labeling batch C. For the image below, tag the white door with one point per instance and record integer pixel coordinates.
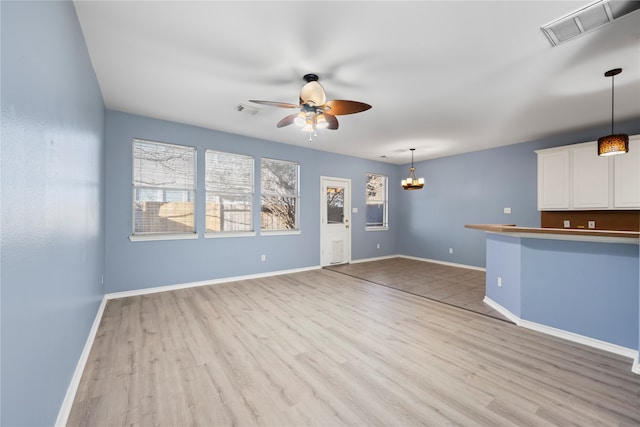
(335, 217)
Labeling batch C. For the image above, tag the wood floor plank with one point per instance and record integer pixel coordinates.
(321, 348)
(460, 287)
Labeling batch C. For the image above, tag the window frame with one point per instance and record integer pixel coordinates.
(241, 233)
(161, 235)
(264, 194)
(385, 203)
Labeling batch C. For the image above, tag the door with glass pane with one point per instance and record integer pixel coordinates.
(335, 217)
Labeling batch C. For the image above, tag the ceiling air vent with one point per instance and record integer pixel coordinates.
(587, 19)
(247, 109)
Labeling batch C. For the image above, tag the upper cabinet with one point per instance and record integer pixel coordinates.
(590, 178)
(553, 180)
(574, 177)
(626, 178)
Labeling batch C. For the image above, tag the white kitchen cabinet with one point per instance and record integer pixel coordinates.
(553, 180)
(590, 184)
(626, 179)
(574, 177)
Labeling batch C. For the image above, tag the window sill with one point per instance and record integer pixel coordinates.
(152, 237)
(376, 228)
(220, 235)
(278, 232)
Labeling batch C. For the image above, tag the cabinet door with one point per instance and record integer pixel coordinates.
(590, 178)
(553, 180)
(627, 177)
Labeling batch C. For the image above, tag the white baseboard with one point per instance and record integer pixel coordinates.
(435, 261)
(378, 258)
(157, 289)
(500, 309)
(569, 336)
(452, 264)
(65, 409)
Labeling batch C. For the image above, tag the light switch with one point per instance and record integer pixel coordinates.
(354, 210)
(507, 210)
(567, 223)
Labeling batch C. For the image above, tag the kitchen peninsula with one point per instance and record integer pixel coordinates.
(580, 284)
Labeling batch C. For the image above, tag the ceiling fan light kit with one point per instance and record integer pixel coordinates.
(315, 111)
(411, 182)
(613, 144)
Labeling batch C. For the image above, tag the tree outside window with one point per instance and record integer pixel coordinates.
(279, 196)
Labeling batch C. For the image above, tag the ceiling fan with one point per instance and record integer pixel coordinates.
(315, 111)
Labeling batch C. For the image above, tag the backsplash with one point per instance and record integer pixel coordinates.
(602, 220)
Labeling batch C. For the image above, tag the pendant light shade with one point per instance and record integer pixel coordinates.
(411, 182)
(613, 144)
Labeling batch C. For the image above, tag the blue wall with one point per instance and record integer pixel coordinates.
(506, 264)
(135, 265)
(474, 188)
(587, 288)
(52, 206)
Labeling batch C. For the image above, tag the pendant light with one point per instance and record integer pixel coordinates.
(411, 182)
(613, 144)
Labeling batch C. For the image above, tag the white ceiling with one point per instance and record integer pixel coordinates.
(444, 77)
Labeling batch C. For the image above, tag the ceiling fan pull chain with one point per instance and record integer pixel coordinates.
(315, 124)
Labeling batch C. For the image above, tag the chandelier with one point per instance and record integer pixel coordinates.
(411, 182)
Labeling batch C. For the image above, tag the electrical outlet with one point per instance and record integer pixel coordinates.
(450, 250)
(591, 224)
(378, 245)
(499, 281)
(507, 210)
(567, 223)
(263, 257)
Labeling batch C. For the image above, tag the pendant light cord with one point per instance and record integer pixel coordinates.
(612, 98)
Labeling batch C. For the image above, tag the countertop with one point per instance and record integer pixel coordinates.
(612, 236)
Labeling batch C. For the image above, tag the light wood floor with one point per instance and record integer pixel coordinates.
(460, 287)
(326, 349)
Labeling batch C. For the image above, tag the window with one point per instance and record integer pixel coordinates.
(377, 212)
(229, 186)
(279, 183)
(164, 187)
(335, 205)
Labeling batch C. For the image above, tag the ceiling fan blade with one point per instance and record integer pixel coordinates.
(332, 121)
(313, 93)
(287, 120)
(275, 104)
(340, 107)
